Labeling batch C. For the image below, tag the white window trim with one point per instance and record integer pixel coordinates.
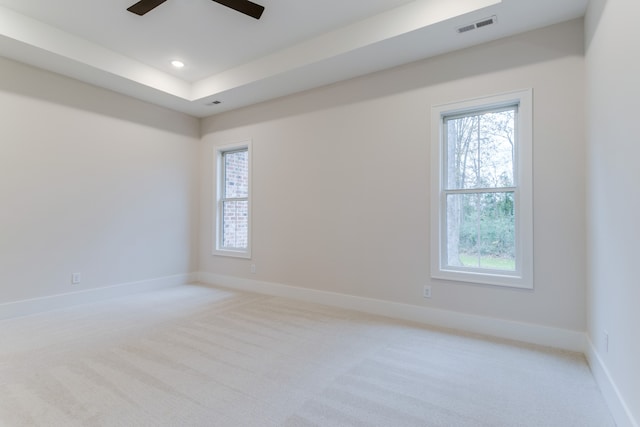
(523, 276)
(217, 229)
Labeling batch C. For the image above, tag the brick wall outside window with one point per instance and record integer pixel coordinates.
(235, 223)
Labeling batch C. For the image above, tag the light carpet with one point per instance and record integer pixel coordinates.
(200, 356)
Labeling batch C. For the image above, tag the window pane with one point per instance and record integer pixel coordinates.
(481, 230)
(235, 224)
(236, 174)
(480, 150)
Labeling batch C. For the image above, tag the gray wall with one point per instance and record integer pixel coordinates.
(341, 180)
(613, 67)
(90, 182)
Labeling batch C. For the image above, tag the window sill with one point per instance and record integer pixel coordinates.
(502, 280)
(232, 254)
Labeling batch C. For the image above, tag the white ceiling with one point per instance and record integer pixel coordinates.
(296, 45)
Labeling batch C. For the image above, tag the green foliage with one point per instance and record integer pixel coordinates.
(488, 225)
(480, 168)
(493, 263)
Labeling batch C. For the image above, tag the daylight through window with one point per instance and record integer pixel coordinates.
(479, 192)
(233, 210)
(482, 193)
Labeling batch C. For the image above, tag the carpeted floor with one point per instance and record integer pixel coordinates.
(199, 356)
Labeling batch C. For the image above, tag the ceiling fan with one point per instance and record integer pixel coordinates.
(243, 6)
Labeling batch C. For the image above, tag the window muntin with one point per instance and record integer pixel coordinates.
(233, 204)
(482, 191)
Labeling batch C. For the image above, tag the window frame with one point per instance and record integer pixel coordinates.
(522, 277)
(219, 176)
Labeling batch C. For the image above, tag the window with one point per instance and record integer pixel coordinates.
(482, 191)
(233, 211)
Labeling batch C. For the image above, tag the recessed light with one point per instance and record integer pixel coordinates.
(177, 64)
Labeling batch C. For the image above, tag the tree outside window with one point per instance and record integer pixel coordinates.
(480, 189)
(482, 198)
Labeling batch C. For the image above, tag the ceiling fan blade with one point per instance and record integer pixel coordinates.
(243, 6)
(144, 6)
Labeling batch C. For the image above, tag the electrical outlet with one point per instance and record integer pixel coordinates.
(426, 291)
(75, 278)
(253, 269)
(606, 342)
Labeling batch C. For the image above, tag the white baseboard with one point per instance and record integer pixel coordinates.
(524, 332)
(617, 405)
(55, 302)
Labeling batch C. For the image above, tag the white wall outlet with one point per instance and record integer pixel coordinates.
(253, 269)
(426, 291)
(75, 278)
(606, 342)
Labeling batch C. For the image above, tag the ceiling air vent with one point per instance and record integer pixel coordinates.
(482, 23)
(467, 28)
